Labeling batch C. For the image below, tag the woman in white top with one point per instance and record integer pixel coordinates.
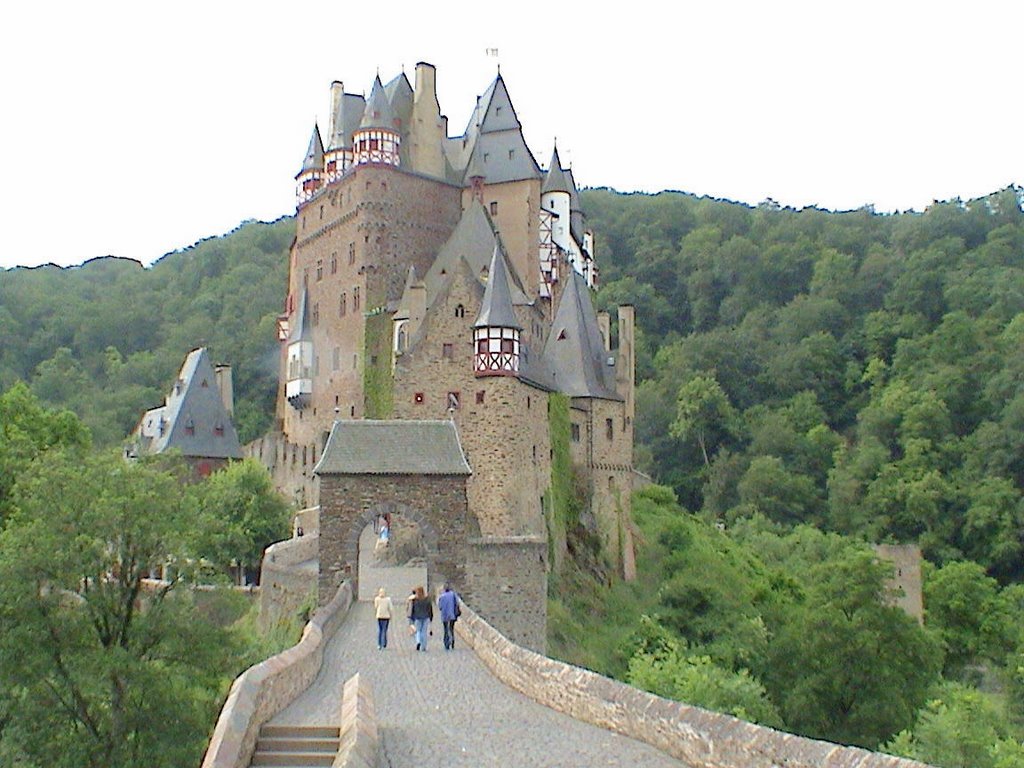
(383, 608)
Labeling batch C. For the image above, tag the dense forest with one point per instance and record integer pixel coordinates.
(809, 383)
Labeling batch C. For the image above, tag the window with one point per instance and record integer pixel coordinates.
(418, 398)
(218, 429)
(316, 313)
(511, 154)
(319, 270)
(460, 311)
(453, 401)
(447, 351)
(355, 298)
(351, 253)
(494, 208)
(343, 304)
(507, 347)
(608, 429)
(334, 263)
(321, 211)
(528, 404)
(190, 427)
(480, 397)
(575, 433)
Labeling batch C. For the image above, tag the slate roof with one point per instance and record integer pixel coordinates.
(555, 180)
(575, 351)
(493, 145)
(370, 447)
(378, 112)
(314, 160)
(473, 240)
(191, 415)
(400, 97)
(496, 308)
(345, 121)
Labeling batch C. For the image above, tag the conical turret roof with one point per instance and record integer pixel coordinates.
(575, 350)
(555, 180)
(496, 308)
(378, 112)
(314, 160)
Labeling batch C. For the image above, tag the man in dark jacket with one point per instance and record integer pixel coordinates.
(448, 603)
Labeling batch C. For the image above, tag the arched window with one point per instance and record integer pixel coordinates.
(460, 311)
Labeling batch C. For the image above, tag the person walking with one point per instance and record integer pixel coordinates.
(448, 604)
(422, 613)
(383, 607)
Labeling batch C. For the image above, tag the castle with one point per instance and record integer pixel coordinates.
(449, 279)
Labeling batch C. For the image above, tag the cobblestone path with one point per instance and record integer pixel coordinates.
(444, 708)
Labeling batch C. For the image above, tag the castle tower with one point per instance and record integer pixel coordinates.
(496, 330)
(310, 178)
(428, 127)
(377, 140)
(299, 384)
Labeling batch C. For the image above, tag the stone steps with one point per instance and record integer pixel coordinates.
(296, 746)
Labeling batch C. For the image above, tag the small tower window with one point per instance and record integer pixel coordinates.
(319, 270)
(511, 154)
(316, 313)
(351, 253)
(447, 351)
(575, 433)
(460, 311)
(355, 298)
(418, 398)
(609, 429)
(334, 262)
(494, 208)
(343, 304)
(480, 397)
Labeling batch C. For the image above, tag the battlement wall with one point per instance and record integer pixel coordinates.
(288, 578)
(696, 736)
(265, 689)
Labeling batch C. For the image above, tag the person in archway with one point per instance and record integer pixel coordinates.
(448, 604)
(383, 607)
(422, 613)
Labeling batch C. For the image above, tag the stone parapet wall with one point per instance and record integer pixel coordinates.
(262, 691)
(360, 745)
(699, 738)
(506, 579)
(284, 586)
(290, 465)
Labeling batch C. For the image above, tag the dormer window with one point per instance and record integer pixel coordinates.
(218, 430)
(190, 427)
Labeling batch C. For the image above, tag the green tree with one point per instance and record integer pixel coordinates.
(703, 414)
(98, 669)
(846, 665)
(26, 431)
(243, 513)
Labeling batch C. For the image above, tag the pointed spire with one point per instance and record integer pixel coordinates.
(555, 180)
(378, 111)
(496, 308)
(314, 160)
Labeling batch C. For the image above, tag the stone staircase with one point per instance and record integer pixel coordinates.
(296, 746)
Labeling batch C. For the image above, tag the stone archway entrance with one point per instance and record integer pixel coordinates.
(405, 562)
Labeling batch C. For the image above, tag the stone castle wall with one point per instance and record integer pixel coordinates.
(502, 421)
(695, 736)
(290, 465)
(284, 587)
(357, 239)
(436, 503)
(906, 578)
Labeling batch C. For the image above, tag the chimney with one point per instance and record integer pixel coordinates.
(227, 389)
(337, 92)
(605, 324)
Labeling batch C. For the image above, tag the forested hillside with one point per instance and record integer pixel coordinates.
(808, 383)
(860, 372)
(105, 339)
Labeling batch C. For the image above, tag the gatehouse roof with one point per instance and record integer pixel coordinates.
(395, 447)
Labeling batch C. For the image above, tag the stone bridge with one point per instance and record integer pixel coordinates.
(335, 700)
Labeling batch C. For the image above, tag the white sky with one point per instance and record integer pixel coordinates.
(136, 128)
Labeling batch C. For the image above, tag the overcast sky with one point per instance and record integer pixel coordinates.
(137, 128)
